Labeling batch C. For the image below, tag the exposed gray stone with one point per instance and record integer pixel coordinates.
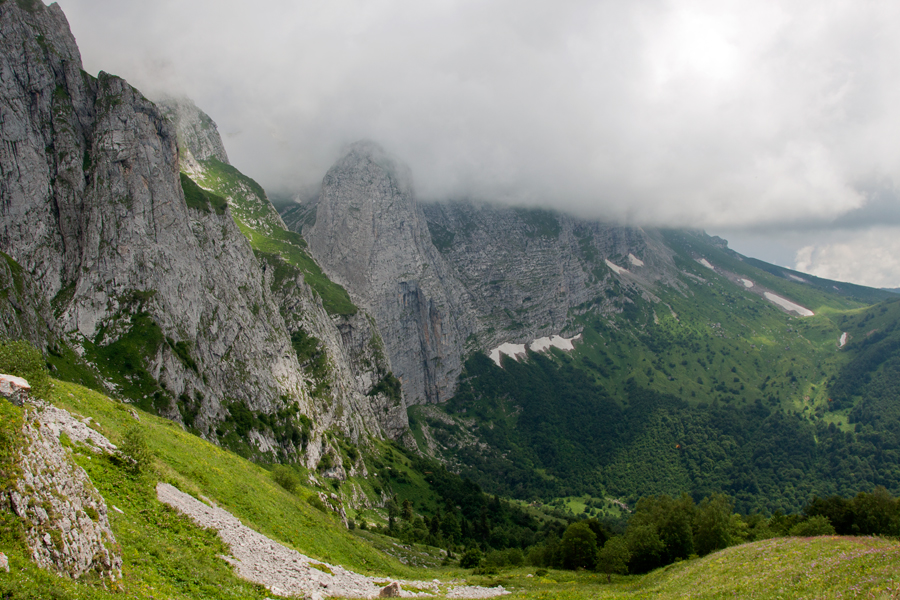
(15, 389)
(371, 237)
(68, 524)
(93, 211)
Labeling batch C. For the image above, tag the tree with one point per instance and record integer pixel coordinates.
(672, 520)
(877, 513)
(579, 546)
(407, 510)
(645, 547)
(450, 527)
(813, 526)
(713, 524)
(614, 557)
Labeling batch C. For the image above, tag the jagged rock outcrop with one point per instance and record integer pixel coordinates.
(356, 362)
(371, 237)
(92, 209)
(67, 521)
(24, 312)
(198, 135)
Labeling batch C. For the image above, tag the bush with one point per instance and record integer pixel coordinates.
(23, 360)
(286, 478)
(134, 452)
(470, 559)
(813, 526)
(316, 503)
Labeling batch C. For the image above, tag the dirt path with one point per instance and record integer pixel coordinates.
(287, 572)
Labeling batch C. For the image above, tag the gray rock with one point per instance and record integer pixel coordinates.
(93, 211)
(371, 237)
(391, 590)
(68, 523)
(15, 389)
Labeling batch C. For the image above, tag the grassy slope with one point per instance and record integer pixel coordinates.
(166, 556)
(260, 223)
(824, 567)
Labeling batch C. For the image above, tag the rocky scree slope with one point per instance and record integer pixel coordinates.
(166, 299)
(67, 523)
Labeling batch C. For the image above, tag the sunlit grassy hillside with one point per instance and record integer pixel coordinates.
(165, 555)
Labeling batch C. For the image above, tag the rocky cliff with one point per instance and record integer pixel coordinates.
(164, 296)
(370, 236)
(341, 354)
(447, 279)
(528, 271)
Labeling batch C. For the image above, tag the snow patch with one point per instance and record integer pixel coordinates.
(516, 351)
(705, 263)
(843, 340)
(795, 278)
(554, 341)
(788, 305)
(618, 270)
(747, 283)
(513, 351)
(635, 260)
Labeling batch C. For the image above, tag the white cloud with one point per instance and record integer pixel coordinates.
(719, 114)
(870, 258)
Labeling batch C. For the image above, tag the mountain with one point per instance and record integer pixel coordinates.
(541, 354)
(135, 280)
(398, 364)
(599, 359)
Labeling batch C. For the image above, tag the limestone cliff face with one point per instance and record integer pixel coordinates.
(345, 359)
(198, 135)
(370, 236)
(92, 209)
(446, 279)
(528, 271)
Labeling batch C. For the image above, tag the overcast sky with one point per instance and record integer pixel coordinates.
(773, 124)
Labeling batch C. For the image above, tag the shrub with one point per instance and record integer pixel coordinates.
(286, 478)
(471, 558)
(23, 360)
(813, 526)
(316, 503)
(134, 452)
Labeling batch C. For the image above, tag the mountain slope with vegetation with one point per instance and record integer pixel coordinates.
(166, 555)
(704, 387)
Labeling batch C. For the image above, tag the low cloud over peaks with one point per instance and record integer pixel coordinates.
(711, 114)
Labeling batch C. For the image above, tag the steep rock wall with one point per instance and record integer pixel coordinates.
(343, 356)
(92, 208)
(371, 237)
